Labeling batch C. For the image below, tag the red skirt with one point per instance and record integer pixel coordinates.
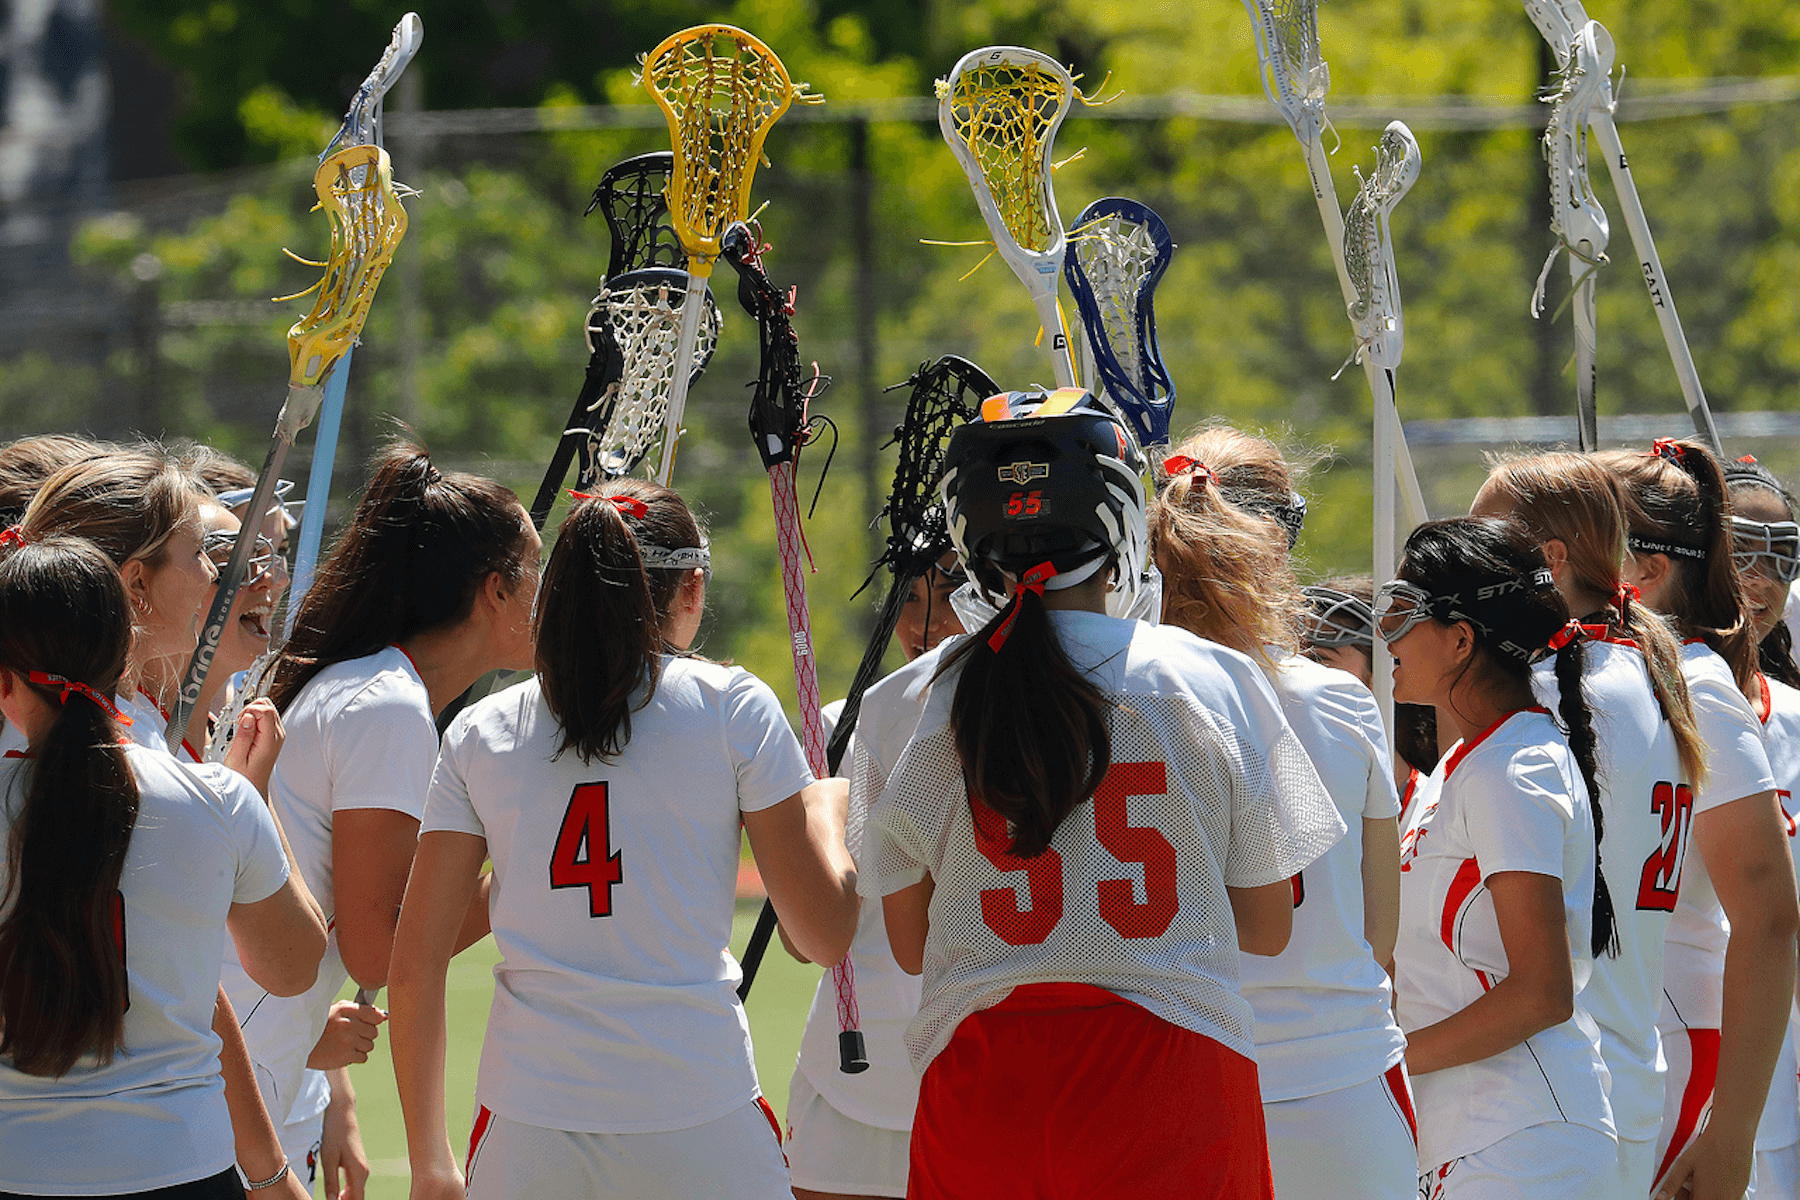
(1064, 1090)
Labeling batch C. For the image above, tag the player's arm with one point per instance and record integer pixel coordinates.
(1381, 885)
(438, 894)
(907, 914)
(1537, 993)
(1264, 917)
(811, 878)
(1744, 846)
(257, 1145)
(371, 855)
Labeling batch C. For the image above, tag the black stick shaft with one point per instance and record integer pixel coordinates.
(570, 441)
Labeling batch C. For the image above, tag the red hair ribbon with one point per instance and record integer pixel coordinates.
(1181, 464)
(628, 506)
(1667, 448)
(45, 679)
(12, 537)
(1623, 598)
(1567, 634)
(1033, 581)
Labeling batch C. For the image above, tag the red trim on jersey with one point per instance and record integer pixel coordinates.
(157, 705)
(18, 754)
(1766, 708)
(774, 1125)
(1468, 878)
(1696, 1096)
(1400, 1088)
(410, 659)
(1462, 750)
(1604, 633)
(484, 1117)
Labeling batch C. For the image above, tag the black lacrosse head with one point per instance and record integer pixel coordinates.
(778, 402)
(946, 395)
(632, 197)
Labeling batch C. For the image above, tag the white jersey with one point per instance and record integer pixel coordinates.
(1647, 808)
(155, 1115)
(887, 998)
(1511, 800)
(1737, 767)
(1780, 713)
(359, 735)
(1324, 1008)
(615, 999)
(1208, 789)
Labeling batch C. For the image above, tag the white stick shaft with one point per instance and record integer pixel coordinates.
(1318, 166)
(1056, 334)
(1386, 557)
(691, 310)
(1586, 354)
(1607, 134)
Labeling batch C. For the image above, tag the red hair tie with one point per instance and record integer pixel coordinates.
(1033, 581)
(1567, 634)
(45, 679)
(628, 506)
(1623, 598)
(12, 537)
(1181, 464)
(1749, 458)
(1667, 448)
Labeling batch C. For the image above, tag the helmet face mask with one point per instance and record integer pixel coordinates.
(1047, 477)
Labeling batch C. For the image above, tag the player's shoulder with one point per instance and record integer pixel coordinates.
(383, 684)
(500, 719)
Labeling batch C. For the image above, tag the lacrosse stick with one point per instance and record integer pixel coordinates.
(356, 189)
(778, 426)
(1565, 27)
(630, 197)
(1576, 216)
(1000, 109)
(362, 127)
(1381, 336)
(720, 91)
(1117, 254)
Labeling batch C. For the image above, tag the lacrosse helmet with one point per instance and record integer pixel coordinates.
(1048, 476)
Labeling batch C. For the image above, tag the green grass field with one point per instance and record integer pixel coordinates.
(778, 1005)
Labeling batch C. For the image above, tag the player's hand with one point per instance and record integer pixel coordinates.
(1707, 1170)
(341, 1151)
(350, 1033)
(290, 1188)
(444, 1183)
(257, 743)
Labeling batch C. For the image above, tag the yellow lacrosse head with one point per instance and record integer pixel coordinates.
(1000, 110)
(355, 187)
(720, 90)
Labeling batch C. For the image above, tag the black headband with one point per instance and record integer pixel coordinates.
(1636, 542)
(1488, 605)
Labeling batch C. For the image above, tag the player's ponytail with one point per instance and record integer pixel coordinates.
(1578, 724)
(65, 630)
(619, 562)
(1031, 729)
(418, 549)
(1572, 499)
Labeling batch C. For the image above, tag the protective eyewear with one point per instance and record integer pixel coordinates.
(1770, 547)
(1338, 619)
(219, 544)
(1399, 607)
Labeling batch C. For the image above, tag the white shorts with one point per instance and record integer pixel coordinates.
(830, 1152)
(1777, 1174)
(1693, 1058)
(1569, 1162)
(1636, 1169)
(1357, 1143)
(737, 1157)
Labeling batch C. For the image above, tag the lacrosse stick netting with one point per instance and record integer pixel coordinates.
(1369, 249)
(355, 187)
(999, 110)
(1117, 254)
(720, 90)
(630, 196)
(639, 316)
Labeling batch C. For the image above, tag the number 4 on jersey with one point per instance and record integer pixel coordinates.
(584, 856)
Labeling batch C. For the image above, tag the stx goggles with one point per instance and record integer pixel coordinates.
(1338, 619)
(1772, 548)
(219, 544)
(1400, 607)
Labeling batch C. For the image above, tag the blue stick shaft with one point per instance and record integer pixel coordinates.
(318, 483)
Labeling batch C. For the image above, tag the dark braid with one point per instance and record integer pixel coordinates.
(1578, 724)
(1776, 655)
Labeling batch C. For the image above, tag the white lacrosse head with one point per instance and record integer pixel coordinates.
(1293, 70)
(1559, 21)
(1000, 109)
(1369, 248)
(644, 322)
(1576, 216)
(1117, 255)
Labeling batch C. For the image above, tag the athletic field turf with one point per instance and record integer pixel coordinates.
(778, 1006)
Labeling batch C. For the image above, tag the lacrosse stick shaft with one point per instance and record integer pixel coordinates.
(298, 410)
(691, 309)
(869, 670)
(318, 484)
(1607, 134)
(1056, 332)
(853, 1058)
(1386, 558)
(566, 446)
(1586, 353)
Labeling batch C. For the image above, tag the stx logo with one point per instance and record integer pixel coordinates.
(1023, 473)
